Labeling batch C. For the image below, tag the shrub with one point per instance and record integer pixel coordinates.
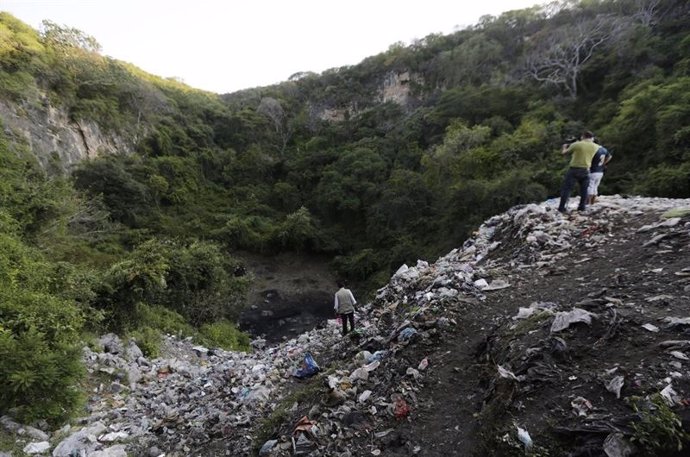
(298, 231)
(163, 319)
(358, 266)
(224, 334)
(201, 284)
(197, 281)
(249, 232)
(39, 358)
(138, 278)
(666, 181)
(148, 340)
(659, 429)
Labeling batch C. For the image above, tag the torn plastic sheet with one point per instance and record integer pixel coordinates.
(615, 385)
(582, 406)
(670, 395)
(496, 284)
(507, 374)
(651, 328)
(563, 320)
(309, 367)
(615, 445)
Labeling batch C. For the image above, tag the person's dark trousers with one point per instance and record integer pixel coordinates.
(581, 176)
(345, 318)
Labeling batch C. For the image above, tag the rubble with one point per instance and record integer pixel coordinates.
(526, 313)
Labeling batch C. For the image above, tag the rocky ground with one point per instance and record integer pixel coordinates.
(544, 335)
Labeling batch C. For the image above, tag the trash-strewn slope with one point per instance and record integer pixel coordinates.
(542, 334)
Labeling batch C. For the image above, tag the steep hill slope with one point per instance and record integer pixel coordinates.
(572, 328)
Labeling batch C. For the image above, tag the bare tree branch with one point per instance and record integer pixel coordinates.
(646, 12)
(557, 57)
(271, 108)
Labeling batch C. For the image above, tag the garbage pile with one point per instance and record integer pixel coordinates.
(609, 332)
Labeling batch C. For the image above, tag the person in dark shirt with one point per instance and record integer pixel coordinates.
(596, 173)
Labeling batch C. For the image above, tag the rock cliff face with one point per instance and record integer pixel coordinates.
(396, 87)
(57, 141)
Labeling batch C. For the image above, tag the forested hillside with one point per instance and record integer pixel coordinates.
(396, 158)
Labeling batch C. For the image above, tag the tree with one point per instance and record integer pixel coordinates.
(441, 164)
(272, 109)
(646, 11)
(558, 56)
(61, 36)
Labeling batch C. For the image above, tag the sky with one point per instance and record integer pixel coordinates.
(228, 45)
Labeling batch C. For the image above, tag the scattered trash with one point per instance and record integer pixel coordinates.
(650, 327)
(267, 447)
(673, 322)
(400, 408)
(496, 284)
(222, 394)
(309, 367)
(657, 298)
(670, 395)
(359, 374)
(582, 406)
(256, 395)
(302, 445)
(679, 355)
(357, 421)
(36, 448)
(524, 313)
(615, 385)
(676, 212)
(563, 320)
(507, 374)
(678, 344)
(414, 373)
(423, 364)
(615, 445)
(481, 284)
(406, 334)
(305, 425)
(304, 434)
(523, 436)
(364, 396)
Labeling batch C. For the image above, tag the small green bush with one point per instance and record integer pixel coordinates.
(666, 181)
(148, 340)
(40, 362)
(163, 319)
(358, 266)
(659, 429)
(16, 86)
(224, 334)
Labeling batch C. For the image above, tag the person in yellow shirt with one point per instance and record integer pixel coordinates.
(580, 162)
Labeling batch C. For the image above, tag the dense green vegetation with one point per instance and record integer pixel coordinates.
(142, 243)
